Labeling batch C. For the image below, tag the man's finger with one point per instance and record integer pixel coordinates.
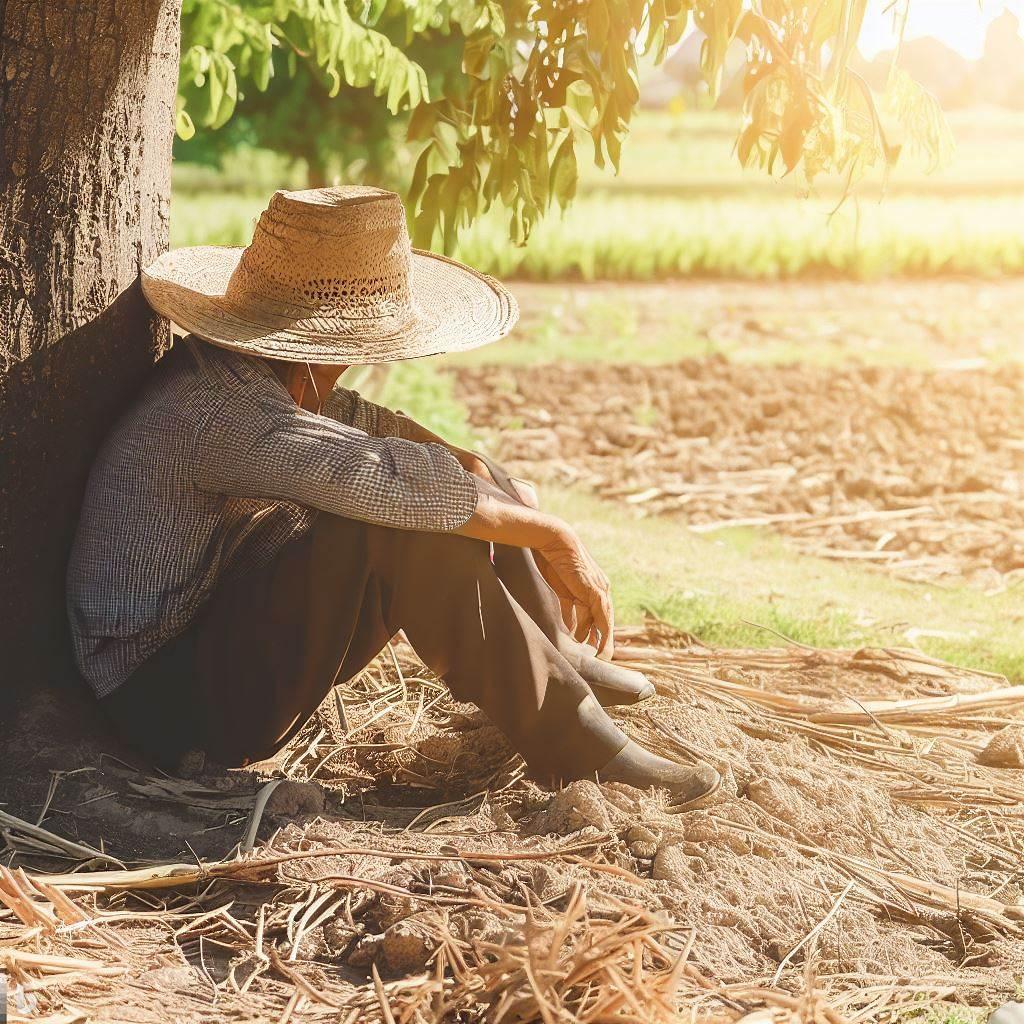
(566, 602)
(567, 607)
(606, 650)
(604, 619)
(584, 623)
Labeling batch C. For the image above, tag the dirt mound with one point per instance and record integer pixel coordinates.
(860, 851)
(919, 473)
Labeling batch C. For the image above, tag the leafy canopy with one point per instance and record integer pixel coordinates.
(541, 82)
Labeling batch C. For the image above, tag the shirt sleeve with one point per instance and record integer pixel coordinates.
(349, 407)
(267, 447)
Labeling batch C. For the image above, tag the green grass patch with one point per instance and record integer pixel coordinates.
(637, 238)
(724, 589)
(609, 237)
(419, 390)
(614, 329)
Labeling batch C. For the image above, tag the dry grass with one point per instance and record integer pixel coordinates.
(860, 859)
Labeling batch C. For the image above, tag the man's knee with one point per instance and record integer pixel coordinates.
(427, 555)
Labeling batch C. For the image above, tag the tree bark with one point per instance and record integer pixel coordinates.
(86, 120)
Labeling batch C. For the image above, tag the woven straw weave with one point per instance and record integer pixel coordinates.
(330, 277)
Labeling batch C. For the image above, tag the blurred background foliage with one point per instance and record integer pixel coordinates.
(471, 105)
(293, 105)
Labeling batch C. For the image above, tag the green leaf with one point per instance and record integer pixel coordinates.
(564, 173)
(477, 51)
(580, 105)
(373, 11)
(182, 122)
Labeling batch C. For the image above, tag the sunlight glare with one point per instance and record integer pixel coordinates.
(960, 24)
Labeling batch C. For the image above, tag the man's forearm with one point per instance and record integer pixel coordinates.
(503, 520)
(582, 589)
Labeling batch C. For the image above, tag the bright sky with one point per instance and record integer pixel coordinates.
(960, 24)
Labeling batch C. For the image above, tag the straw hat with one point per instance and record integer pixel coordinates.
(330, 277)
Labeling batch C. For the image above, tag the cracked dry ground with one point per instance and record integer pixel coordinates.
(920, 473)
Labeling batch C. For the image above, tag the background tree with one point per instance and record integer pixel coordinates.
(541, 80)
(86, 113)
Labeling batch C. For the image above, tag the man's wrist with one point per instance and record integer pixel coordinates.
(552, 531)
(475, 465)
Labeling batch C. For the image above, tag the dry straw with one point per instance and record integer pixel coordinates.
(330, 277)
(860, 833)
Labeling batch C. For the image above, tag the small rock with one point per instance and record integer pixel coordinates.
(671, 863)
(480, 926)
(296, 799)
(366, 950)
(338, 934)
(642, 841)
(1005, 750)
(392, 908)
(503, 821)
(642, 834)
(642, 850)
(1008, 1013)
(408, 945)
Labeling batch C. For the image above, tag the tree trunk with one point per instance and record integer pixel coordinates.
(86, 120)
(316, 176)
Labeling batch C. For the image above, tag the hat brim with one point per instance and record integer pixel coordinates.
(455, 309)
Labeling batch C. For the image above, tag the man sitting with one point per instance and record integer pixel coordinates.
(252, 535)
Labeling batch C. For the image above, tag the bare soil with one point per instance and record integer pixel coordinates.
(920, 473)
(863, 851)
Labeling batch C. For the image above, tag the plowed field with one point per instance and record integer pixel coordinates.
(917, 472)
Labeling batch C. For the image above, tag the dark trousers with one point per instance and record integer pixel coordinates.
(269, 645)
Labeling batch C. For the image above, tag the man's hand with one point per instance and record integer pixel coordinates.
(583, 591)
(569, 569)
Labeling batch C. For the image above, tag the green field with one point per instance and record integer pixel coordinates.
(682, 207)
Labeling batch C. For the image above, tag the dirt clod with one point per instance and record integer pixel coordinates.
(293, 799)
(580, 805)
(1005, 749)
(671, 863)
(407, 945)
